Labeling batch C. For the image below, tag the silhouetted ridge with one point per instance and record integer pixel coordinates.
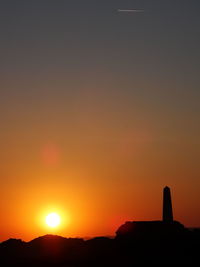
(54, 239)
(12, 242)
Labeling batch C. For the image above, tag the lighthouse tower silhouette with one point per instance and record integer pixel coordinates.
(162, 228)
(167, 205)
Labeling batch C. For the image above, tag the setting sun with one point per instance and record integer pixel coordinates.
(53, 220)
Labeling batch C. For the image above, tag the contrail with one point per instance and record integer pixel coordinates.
(131, 10)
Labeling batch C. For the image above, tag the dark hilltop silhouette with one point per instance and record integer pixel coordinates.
(163, 243)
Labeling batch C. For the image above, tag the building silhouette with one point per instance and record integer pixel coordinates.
(165, 227)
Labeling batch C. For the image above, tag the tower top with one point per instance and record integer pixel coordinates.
(167, 205)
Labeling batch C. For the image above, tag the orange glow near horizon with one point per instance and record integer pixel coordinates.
(88, 212)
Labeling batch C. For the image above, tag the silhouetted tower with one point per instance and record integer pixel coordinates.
(167, 205)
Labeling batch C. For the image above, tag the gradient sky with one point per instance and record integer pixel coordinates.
(99, 110)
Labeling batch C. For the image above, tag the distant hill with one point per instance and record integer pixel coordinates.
(148, 248)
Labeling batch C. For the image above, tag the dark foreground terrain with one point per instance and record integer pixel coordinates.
(134, 244)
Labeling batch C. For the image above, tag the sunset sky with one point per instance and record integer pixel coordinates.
(99, 110)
